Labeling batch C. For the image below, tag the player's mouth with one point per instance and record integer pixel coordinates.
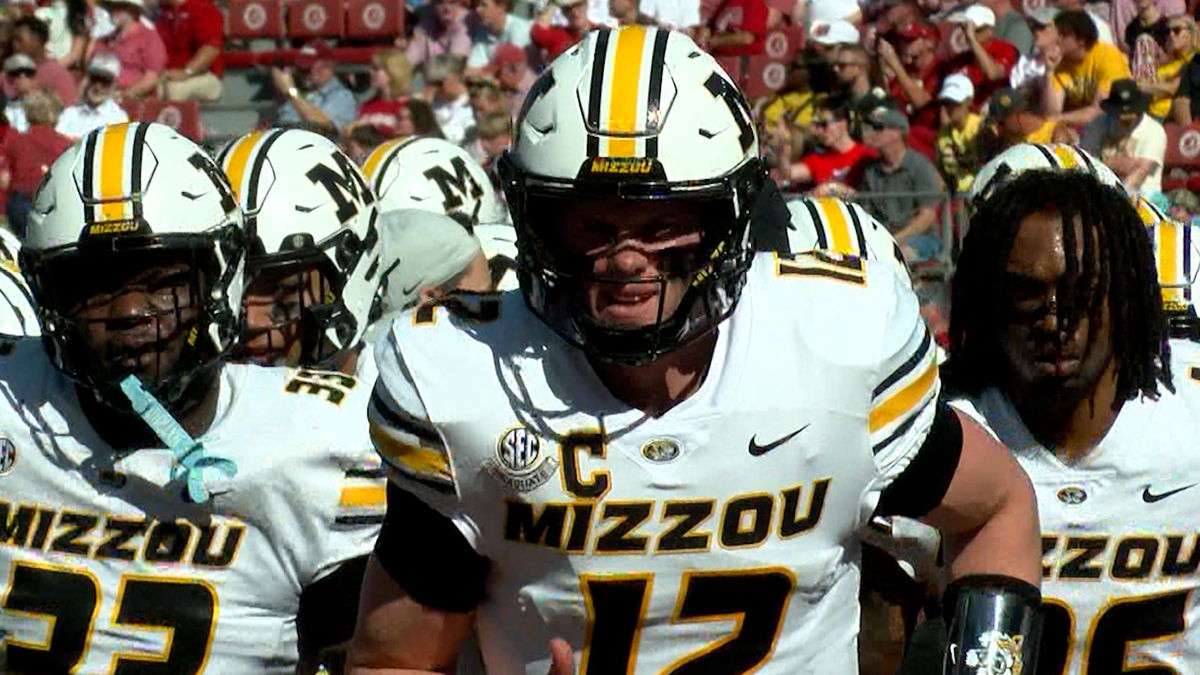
(1053, 362)
(630, 303)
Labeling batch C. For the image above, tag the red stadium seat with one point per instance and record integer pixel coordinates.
(309, 19)
(763, 75)
(250, 19)
(732, 65)
(183, 116)
(783, 42)
(366, 19)
(1183, 146)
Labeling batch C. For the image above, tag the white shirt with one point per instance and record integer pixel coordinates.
(77, 120)
(454, 117)
(673, 14)
(1148, 140)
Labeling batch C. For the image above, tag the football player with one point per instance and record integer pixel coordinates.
(161, 509)
(432, 174)
(660, 451)
(18, 316)
(1059, 341)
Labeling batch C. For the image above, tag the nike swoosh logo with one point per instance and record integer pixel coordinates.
(410, 289)
(756, 449)
(1150, 498)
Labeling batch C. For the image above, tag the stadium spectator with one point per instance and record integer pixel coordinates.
(391, 80)
(424, 122)
(1104, 31)
(629, 12)
(1013, 122)
(738, 28)
(29, 38)
(441, 28)
(839, 161)
(1132, 143)
(96, 108)
(1086, 71)
(1181, 47)
(495, 24)
(1029, 73)
(988, 60)
(794, 102)
(957, 143)
(554, 39)
(833, 35)
(493, 136)
(1185, 107)
(1011, 25)
(137, 46)
(446, 92)
(681, 15)
(28, 155)
(1150, 21)
(833, 10)
(193, 32)
(901, 188)
(487, 98)
(510, 68)
(68, 23)
(913, 73)
(361, 140)
(313, 94)
(19, 78)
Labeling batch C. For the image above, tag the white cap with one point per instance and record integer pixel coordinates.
(19, 61)
(957, 88)
(978, 15)
(140, 4)
(833, 32)
(832, 10)
(427, 249)
(105, 63)
(1043, 16)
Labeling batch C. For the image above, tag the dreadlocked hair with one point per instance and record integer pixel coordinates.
(1117, 263)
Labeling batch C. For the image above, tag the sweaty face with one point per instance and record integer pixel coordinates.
(1047, 356)
(133, 313)
(638, 257)
(274, 305)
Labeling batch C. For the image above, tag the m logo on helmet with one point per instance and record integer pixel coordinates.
(456, 187)
(347, 187)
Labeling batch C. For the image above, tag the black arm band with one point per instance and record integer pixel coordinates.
(426, 554)
(920, 488)
(995, 625)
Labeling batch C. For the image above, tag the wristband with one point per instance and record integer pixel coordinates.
(995, 625)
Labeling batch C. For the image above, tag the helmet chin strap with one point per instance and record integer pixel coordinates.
(191, 464)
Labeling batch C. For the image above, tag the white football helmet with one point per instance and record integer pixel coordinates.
(18, 313)
(435, 175)
(1177, 257)
(307, 205)
(830, 224)
(1034, 156)
(127, 188)
(633, 113)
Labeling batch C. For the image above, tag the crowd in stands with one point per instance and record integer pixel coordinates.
(894, 103)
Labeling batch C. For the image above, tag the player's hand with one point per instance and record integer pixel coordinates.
(562, 658)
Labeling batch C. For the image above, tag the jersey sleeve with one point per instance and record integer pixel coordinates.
(904, 399)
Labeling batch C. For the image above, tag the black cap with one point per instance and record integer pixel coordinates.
(1125, 98)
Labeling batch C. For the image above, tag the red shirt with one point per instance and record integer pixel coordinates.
(188, 27)
(843, 167)
(1002, 52)
(738, 15)
(140, 51)
(928, 115)
(30, 155)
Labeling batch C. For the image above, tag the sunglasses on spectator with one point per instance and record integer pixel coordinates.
(1180, 29)
(822, 123)
(23, 72)
(102, 80)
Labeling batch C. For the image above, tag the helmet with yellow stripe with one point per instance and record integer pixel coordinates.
(127, 198)
(1177, 258)
(1036, 156)
(633, 115)
(313, 270)
(830, 224)
(432, 174)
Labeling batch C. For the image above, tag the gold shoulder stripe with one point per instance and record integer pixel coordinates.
(363, 495)
(903, 401)
(416, 460)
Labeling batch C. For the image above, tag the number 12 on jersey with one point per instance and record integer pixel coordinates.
(755, 600)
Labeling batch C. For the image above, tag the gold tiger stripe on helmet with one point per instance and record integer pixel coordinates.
(1066, 156)
(624, 87)
(239, 158)
(113, 195)
(838, 228)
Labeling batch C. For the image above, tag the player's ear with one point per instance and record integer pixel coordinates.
(428, 295)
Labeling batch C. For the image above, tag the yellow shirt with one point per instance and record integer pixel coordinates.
(1093, 76)
(1160, 106)
(1043, 134)
(957, 152)
(795, 107)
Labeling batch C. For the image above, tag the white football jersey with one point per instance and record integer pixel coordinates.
(718, 537)
(105, 566)
(1120, 544)
(18, 313)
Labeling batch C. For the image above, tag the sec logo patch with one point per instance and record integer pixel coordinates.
(8, 455)
(520, 461)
